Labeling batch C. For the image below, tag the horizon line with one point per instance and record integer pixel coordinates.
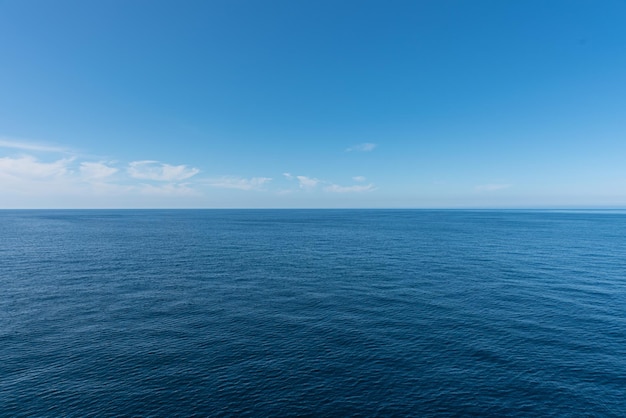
(531, 208)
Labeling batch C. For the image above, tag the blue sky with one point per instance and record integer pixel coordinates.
(445, 104)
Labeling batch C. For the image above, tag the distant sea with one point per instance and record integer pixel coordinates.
(312, 313)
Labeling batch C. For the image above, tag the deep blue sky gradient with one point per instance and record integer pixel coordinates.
(467, 104)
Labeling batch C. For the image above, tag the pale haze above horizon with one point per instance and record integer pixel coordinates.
(312, 104)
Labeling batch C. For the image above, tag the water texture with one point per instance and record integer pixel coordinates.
(312, 312)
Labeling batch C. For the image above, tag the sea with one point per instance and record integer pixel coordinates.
(271, 313)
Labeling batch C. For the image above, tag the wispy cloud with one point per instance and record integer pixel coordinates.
(155, 170)
(31, 168)
(96, 171)
(35, 173)
(304, 182)
(364, 147)
(336, 188)
(492, 187)
(169, 189)
(30, 146)
(307, 182)
(231, 182)
(26, 177)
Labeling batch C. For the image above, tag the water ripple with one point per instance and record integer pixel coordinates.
(325, 313)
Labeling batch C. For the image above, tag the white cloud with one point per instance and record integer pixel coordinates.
(29, 146)
(96, 171)
(31, 180)
(169, 189)
(29, 167)
(28, 179)
(154, 170)
(492, 187)
(335, 188)
(231, 182)
(304, 182)
(307, 182)
(364, 147)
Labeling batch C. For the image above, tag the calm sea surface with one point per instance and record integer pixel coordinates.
(312, 312)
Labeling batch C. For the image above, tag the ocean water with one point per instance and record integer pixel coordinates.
(312, 313)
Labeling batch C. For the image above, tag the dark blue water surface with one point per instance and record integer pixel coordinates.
(321, 312)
